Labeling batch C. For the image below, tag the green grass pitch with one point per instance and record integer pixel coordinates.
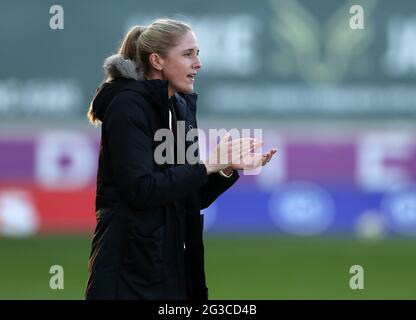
(238, 267)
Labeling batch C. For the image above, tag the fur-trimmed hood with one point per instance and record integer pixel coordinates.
(116, 66)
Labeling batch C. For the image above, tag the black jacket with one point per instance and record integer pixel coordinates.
(147, 214)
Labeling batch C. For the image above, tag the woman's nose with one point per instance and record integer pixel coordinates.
(198, 63)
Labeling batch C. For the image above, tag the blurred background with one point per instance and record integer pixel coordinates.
(337, 101)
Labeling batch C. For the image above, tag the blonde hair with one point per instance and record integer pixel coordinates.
(141, 41)
(159, 37)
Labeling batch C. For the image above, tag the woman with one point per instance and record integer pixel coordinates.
(148, 239)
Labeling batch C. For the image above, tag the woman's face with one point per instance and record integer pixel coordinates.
(181, 65)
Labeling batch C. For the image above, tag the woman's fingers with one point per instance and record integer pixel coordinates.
(236, 145)
(225, 138)
(266, 159)
(250, 161)
(267, 156)
(250, 149)
(254, 160)
(240, 143)
(239, 151)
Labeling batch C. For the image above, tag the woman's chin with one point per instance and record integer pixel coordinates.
(185, 88)
(188, 89)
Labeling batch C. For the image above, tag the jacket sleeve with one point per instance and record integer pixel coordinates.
(215, 186)
(130, 145)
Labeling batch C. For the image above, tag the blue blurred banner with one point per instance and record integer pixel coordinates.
(362, 183)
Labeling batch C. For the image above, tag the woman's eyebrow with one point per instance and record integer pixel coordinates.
(191, 50)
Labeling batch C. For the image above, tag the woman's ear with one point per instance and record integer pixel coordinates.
(156, 61)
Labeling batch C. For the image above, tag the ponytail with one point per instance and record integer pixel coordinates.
(129, 47)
